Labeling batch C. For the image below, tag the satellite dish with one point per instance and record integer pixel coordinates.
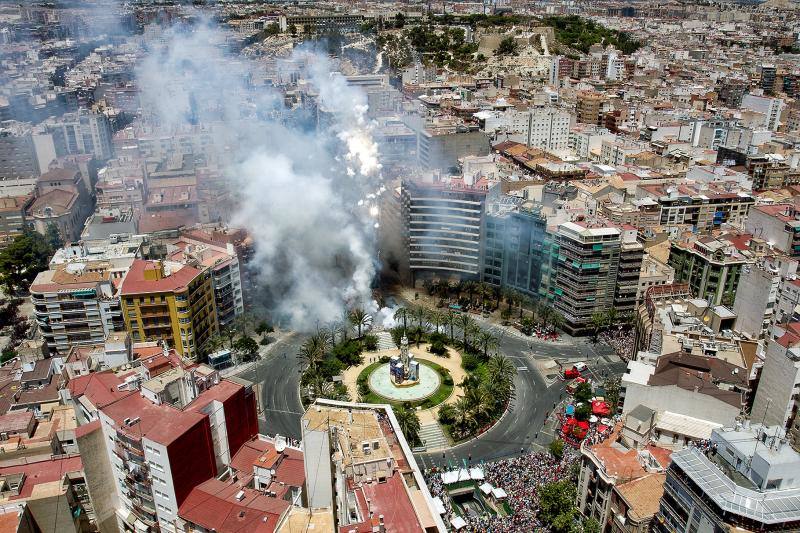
(280, 445)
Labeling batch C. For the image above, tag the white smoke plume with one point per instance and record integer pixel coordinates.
(305, 195)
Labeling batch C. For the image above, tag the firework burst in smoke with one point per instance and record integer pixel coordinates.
(308, 197)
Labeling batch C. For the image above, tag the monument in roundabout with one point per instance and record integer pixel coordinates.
(404, 378)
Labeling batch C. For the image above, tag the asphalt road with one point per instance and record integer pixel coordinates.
(520, 429)
(279, 376)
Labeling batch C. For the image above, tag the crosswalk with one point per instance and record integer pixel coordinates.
(385, 341)
(431, 434)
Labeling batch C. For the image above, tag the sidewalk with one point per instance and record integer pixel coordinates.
(262, 351)
(406, 294)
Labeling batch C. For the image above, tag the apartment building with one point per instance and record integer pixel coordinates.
(155, 433)
(589, 107)
(711, 266)
(757, 296)
(164, 300)
(701, 208)
(595, 266)
(779, 384)
(77, 304)
(83, 132)
(749, 482)
(770, 108)
(544, 128)
(779, 224)
(444, 225)
(440, 146)
(13, 217)
(360, 469)
(225, 273)
(618, 485)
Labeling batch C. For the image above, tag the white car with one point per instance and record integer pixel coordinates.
(580, 367)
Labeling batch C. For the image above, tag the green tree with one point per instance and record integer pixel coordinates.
(293, 30)
(399, 20)
(508, 46)
(591, 525)
(402, 313)
(53, 237)
(583, 392)
(360, 319)
(272, 29)
(557, 449)
(27, 255)
(488, 341)
(7, 355)
(246, 347)
(557, 505)
(408, 421)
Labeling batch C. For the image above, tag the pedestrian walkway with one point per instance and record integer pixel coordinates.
(431, 434)
(385, 341)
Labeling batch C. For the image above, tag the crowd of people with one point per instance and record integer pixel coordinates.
(521, 478)
(622, 340)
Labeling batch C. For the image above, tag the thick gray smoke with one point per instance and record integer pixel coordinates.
(303, 193)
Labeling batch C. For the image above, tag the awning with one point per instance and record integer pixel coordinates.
(486, 488)
(458, 523)
(499, 493)
(476, 473)
(439, 505)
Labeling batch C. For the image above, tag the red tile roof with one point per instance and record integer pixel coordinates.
(159, 423)
(99, 387)
(214, 506)
(135, 283)
(38, 472)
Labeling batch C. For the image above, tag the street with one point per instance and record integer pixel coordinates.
(520, 428)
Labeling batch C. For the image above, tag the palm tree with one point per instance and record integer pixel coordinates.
(463, 416)
(309, 354)
(612, 316)
(402, 313)
(488, 341)
(450, 319)
(360, 319)
(408, 421)
(480, 401)
(436, 318)
(415, 335)
(419, 314)
(598, 321)
(500, 366)
(465, 322)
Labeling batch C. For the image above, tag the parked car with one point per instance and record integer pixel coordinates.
(571, 373)
(580, 367)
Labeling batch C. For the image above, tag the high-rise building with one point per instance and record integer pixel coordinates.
(83, 132)
(517, 248)
(595, 266)
(169, 301)
(225, 274)
(747, 481)
(543, 128)
(444, 223)
(768, 73)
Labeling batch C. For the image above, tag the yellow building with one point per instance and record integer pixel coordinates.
(169, 301)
